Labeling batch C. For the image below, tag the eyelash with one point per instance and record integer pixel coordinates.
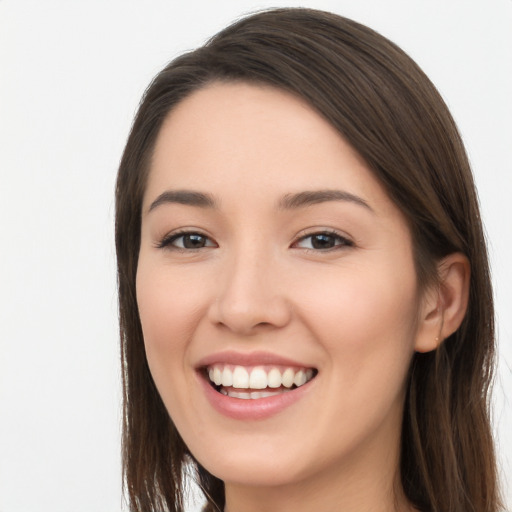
(169, 240)
(343, 241)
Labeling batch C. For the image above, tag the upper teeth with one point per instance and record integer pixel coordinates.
(258, 377)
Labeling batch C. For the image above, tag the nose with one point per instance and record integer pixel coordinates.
(251, 296)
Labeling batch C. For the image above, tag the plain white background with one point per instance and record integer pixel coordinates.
(71, 76)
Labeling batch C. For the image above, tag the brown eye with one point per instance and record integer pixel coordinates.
(187, 241)
(193, 241)
(323, 241)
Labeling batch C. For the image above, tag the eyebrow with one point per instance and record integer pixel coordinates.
(287, 202)
(187, 197)
(311, 197)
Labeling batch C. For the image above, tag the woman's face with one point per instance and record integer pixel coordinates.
(271, 257)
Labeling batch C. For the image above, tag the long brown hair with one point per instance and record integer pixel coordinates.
(388, 110)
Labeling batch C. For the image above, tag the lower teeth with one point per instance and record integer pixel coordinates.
(252, 395)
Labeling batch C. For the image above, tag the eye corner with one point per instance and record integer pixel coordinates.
(323, 240)
(188, 240)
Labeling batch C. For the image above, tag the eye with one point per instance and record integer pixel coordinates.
(323, 241)
(186, 240)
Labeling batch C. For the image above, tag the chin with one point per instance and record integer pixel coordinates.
(267, 461)
(256, 471)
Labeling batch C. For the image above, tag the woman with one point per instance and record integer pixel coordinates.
(305, 303)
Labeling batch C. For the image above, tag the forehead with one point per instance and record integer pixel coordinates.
(244, 141)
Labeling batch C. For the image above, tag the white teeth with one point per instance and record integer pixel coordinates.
(240, 377)
(274, 378)
(258, 378)
(253, 395)
(227, 377)
(300, 378)
(288, 377)
(265, 394)
(217, 376)
(243, 396)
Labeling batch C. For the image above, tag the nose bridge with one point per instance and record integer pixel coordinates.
(250, 293)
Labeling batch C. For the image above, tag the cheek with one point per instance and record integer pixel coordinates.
(366, 325)
(169, 309)
(366, 319)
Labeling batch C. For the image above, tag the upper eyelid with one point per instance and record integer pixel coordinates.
(323, 231)
(344, 242)
(173, 235)
(167, 239)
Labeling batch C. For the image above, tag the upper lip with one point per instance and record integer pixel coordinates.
(249, 359)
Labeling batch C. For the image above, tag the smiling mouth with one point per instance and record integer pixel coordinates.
(255, 382)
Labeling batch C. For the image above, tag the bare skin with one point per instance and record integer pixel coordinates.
(264, 232)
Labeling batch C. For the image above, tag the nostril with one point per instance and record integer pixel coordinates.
(249, 304)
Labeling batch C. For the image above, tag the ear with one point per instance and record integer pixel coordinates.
(444, 304)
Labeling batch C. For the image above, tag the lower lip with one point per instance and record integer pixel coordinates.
(252, 409)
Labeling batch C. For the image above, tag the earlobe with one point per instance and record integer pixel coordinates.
(445, 304)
